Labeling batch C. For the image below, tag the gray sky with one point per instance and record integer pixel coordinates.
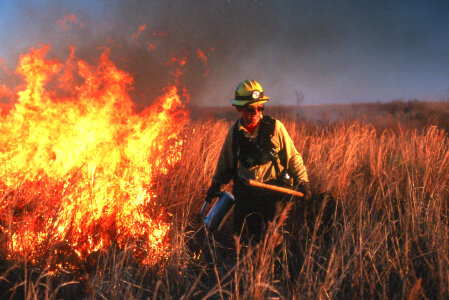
(328, 51)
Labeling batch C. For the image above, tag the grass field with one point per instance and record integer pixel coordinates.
(379, 226)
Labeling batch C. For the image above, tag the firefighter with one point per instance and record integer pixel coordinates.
(257, 147)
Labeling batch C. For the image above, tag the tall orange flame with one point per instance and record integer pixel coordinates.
(78, 165)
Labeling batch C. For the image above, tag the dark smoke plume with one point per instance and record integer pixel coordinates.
(325, 50)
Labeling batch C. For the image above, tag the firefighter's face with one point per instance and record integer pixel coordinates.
(251, 114)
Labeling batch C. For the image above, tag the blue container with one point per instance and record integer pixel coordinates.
(219, 212)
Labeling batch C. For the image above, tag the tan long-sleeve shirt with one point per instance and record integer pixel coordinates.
(281, 141)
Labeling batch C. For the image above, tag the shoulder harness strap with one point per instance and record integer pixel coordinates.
(266, 131)
(263, 142)
(235, 144)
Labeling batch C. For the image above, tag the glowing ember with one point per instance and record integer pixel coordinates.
(78, 165)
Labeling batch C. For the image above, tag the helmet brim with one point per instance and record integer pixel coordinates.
(248, 102)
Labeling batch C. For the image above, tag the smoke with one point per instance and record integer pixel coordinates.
(325, 50)
(237, 40)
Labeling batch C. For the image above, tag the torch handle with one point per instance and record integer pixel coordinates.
(279, 189)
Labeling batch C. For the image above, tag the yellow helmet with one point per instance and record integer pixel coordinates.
(248, 92)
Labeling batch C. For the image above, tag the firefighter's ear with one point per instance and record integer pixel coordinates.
(239, 108)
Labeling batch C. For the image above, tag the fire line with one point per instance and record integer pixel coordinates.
(79, 163)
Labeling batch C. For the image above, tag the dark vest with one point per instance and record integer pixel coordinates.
(250, 151)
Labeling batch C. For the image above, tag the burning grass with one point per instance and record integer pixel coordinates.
(77, 171)
(379, 226)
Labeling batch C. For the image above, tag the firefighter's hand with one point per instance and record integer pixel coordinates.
(212, 192)
(304, 188)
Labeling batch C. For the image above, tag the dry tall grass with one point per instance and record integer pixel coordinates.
(379, 227)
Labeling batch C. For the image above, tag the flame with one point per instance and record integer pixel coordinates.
(202, 56)
(5, 92)
(159, 33)
(78, 165)
(179, 64)
(139, 31)
(3, 65)
(66, 21)
(151, 47)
